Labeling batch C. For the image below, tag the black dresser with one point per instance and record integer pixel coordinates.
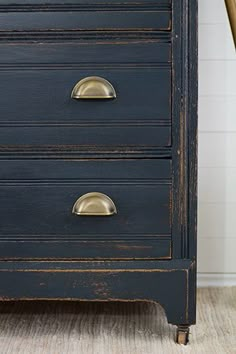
(98, 125)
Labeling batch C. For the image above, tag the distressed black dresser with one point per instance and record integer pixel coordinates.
(98, 152)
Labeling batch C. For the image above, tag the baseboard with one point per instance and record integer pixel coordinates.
(215, 279)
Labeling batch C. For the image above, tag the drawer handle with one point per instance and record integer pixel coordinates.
(93, 87)
(94, 204)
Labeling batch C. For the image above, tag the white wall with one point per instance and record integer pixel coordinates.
(217, 147)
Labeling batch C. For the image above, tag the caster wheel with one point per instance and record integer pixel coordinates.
(182, 335)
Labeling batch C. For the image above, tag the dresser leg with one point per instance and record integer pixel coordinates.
(182, 336)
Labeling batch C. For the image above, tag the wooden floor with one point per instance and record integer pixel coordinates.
(116, 328)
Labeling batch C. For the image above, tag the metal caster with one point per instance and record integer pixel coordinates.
(182, 336)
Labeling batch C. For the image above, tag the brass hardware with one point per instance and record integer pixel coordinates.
(182, 336)
(94, 204)
(231, 8)
(93, 87)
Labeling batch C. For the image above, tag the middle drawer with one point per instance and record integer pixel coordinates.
(37, 82)
(37, 108)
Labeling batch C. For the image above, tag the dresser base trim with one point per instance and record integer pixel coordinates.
(169, 283)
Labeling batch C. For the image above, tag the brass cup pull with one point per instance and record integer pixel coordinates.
(94, 204)
(93, 87)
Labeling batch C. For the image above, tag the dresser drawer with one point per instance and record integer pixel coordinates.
(103, 20)
(75, 169)
(116, 16)
(39, 217)
(44, 113)
(61, 54)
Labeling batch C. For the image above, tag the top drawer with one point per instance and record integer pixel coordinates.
(84, 16)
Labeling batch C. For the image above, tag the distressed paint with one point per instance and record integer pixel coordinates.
(54, 149)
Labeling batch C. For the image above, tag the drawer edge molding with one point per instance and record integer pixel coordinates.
(97, 281)
(91, 250)
(14, 153)
(20, 6)
(85, 52)
(97, 20)
(88, 171)
(60, 36)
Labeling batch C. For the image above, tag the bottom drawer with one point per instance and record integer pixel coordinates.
(125, 218)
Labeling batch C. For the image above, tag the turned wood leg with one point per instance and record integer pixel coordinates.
(182, 336)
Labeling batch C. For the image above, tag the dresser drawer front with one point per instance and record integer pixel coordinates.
(104, 136)
(82, 250)
(85, 15)
(44, 96)
(43, 213)
(44, 113)
(75, 169)
(66, 53)
(47, 210)
(108, 20)
(37, 204)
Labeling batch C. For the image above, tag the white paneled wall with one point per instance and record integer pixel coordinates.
(217, 146)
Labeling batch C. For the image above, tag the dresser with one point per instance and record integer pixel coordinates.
(98, 137)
